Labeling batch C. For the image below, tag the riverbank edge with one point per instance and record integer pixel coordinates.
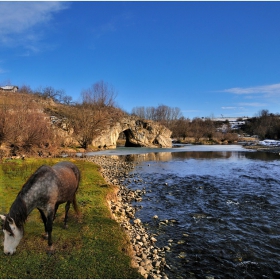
(145, 255)
(260, 148)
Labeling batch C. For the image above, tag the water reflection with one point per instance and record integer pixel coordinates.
(187, 151)
(185, 148)
(263, 156)
(149, 157)
(167, 156)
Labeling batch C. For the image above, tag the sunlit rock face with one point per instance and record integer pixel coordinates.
(138, 133)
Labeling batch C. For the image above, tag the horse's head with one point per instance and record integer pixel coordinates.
(12, 234)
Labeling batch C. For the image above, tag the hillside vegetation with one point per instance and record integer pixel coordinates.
(37, 124)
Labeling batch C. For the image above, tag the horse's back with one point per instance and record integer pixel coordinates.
(69, 176)
(67, 165)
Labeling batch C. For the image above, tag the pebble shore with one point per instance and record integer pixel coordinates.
(147, 257)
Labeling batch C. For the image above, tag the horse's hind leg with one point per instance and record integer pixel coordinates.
(49, 231)
(67, 207)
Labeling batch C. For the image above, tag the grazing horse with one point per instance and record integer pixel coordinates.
(45, 190)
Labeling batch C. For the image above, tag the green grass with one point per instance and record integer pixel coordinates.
(93, 246)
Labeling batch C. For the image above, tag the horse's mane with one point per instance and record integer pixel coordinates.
(34, 177)
(18, 211)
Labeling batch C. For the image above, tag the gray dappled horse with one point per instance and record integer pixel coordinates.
(45, 190)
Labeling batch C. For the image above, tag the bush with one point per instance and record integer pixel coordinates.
(24, 126)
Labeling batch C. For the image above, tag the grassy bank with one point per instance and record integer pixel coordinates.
(93, 246)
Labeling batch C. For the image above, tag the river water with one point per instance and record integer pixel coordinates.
(218, 209)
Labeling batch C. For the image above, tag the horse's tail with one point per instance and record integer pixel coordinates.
(75, 205)
(78, 177)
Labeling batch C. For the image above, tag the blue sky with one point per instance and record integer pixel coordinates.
(207, 58)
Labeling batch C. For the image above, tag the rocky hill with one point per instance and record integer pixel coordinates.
(67, 131)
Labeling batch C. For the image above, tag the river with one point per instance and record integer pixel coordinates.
(218, 209)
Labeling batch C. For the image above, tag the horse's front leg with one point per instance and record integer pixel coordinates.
(49, 232)
(45, 236)
(55, 210)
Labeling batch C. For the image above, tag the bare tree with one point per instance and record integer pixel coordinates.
(25, 89)
(49, 92)
(151, 113)
(197, 129)
(139, 111)
(208, 128)
(181, 128)
(95, 114)
(163, 114)
(100, 94)
(66, 99)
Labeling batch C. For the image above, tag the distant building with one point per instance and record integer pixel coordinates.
(230, 119)
(9, 88)
(268, 142)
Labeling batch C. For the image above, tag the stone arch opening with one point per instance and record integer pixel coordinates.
(120, 139)
(129, 139)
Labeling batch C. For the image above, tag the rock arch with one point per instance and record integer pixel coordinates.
(128, 137)
(138, 133)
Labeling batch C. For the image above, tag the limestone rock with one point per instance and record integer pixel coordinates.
(138, 132)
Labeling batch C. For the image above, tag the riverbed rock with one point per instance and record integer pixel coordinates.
(147, 258)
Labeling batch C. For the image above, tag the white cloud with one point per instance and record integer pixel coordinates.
(19, 18)
(253, 104)
(267, 90)
(230, 108)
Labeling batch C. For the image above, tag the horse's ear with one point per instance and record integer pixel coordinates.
(3, 217)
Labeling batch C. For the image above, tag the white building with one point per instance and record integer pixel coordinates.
(9, 88)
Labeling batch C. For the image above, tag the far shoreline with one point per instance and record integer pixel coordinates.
(260, 148)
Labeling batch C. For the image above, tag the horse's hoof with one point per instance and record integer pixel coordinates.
(50, 251)
(45, 236)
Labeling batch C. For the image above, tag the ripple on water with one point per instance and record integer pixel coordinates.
(226, 212)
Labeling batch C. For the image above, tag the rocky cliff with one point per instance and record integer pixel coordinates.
(138, 133)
